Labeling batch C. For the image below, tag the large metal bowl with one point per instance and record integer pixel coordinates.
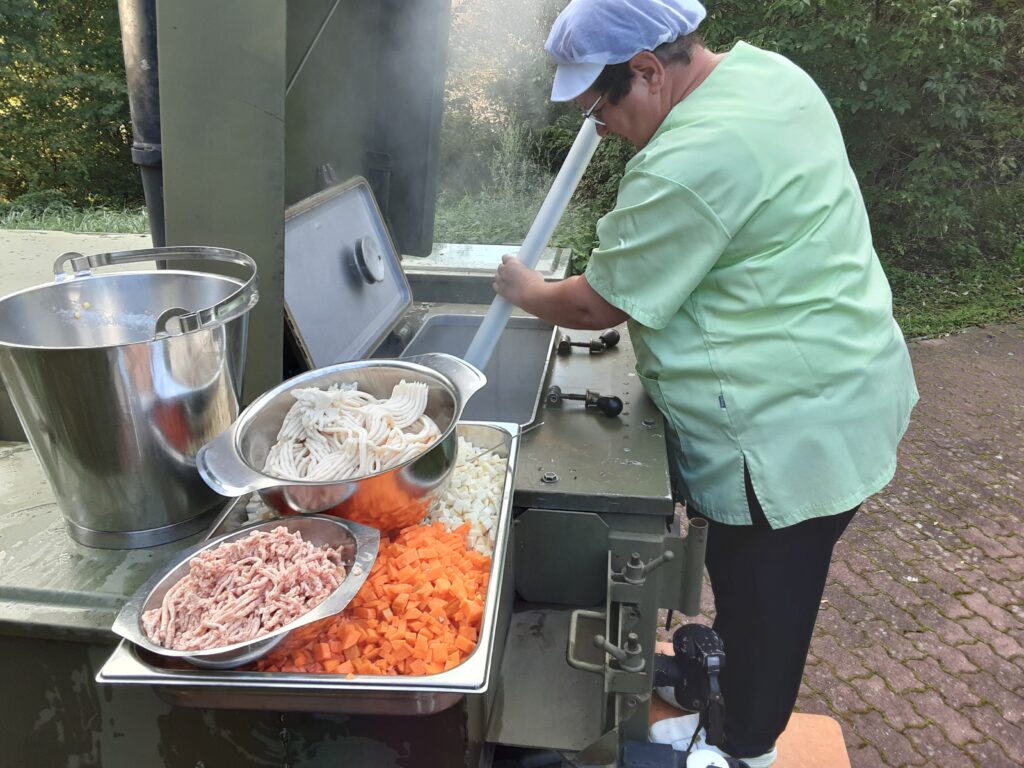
(388, 500)
(357, 544)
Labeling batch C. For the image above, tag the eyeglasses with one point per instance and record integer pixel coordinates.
(594, 109)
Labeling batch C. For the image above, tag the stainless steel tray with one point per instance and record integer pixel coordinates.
(366, 694)
(515, 373)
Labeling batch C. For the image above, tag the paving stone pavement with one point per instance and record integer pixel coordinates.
(919, 648)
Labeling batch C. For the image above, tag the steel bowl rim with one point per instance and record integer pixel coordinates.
(245, 419)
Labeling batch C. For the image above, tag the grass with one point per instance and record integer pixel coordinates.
(500, 219)
(925, 304)
(67, 219)
(984, 293)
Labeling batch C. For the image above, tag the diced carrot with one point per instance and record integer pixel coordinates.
(433, 574)
(422, 648)
(459, 589)
(347, 637)
(409, 558)
(419, 612)
(401, 651)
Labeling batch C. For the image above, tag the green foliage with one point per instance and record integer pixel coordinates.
(507, 200)
(64, 119)
(600, 183)
(929, 304)
(928, 96)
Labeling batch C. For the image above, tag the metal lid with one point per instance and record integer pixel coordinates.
(344, 287)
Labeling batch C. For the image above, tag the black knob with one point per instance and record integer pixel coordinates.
(606, 340)
(609, 406)
(610, 338)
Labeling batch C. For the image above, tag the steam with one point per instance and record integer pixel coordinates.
(497, 88)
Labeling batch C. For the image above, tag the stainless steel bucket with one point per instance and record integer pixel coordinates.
(119, 378)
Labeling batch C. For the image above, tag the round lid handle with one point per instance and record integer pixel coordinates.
(370, 260)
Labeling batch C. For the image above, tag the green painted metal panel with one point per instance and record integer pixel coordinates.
(222, 111)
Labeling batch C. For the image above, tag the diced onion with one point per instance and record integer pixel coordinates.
(473, 496)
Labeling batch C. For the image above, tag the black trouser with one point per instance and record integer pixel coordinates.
(767, 585)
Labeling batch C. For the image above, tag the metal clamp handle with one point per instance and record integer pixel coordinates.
(574, 617)
(176, 320)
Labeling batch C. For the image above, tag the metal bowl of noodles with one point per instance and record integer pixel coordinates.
(393, 498)
(357, 545)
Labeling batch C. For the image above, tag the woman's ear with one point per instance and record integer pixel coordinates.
(648, 67)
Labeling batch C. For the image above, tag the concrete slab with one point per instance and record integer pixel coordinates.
(28, 255)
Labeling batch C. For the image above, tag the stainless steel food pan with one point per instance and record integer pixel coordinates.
(515, 373)
(364, 694)
(357, 544)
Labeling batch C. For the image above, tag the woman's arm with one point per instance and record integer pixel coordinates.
(569, 303)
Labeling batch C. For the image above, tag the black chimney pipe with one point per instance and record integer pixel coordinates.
(138, 38)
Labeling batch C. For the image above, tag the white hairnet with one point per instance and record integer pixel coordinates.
(590, 34)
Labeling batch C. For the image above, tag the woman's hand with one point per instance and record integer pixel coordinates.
(517, 282)
(570, 303)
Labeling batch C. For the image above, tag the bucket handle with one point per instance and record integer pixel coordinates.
(176, 320)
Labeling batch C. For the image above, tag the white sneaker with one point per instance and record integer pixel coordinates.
(678, 731)
(705, 758)
(761, 761)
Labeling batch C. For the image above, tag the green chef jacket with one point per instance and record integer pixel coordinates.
(760, 315)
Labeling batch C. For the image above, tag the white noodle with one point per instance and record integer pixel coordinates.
(340, 432)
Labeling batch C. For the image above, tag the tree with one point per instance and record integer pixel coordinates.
(927, 94)
(64, 118)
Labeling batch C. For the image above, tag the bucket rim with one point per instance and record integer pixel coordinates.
(237, 282)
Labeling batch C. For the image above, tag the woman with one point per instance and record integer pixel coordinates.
(740, 255)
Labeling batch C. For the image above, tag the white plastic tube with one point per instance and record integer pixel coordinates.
(569, 175)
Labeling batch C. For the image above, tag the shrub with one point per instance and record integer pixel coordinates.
(64, 119)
